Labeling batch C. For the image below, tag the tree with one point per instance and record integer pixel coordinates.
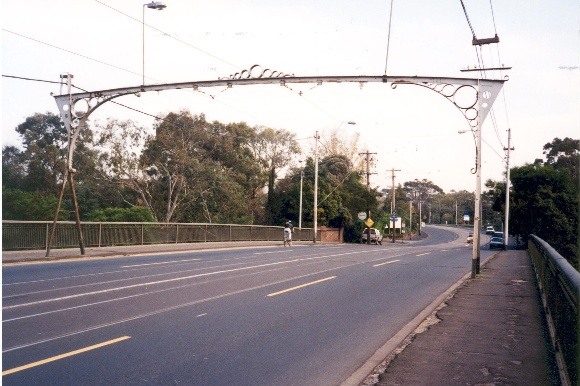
(546, 204)
(29, 206)
(133, 214)
(119, 162)
(273, 149)
(13, 168)
(423, 191)
(563, 154)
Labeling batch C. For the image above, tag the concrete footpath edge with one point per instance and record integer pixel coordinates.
(368, 373)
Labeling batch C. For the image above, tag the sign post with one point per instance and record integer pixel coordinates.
(394, 221)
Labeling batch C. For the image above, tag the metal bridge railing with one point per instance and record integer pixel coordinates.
(22, 235)
(559, 284)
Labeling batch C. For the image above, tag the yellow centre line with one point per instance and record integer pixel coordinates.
(388, 262)
(301, 286)
(423, 254)
(55, 358)
(164, 262)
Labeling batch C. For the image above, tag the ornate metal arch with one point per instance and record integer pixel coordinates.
(473, 97)
(464, 93)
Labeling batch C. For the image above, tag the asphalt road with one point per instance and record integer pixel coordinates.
(306, 315)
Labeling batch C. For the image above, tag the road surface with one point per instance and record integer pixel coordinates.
(305, 315)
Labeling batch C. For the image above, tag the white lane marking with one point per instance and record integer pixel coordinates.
(388, 262)
(152, 313)
(159, 263)
(169, 281)
(169, 289)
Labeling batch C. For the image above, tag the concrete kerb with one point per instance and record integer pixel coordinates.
(368, 373)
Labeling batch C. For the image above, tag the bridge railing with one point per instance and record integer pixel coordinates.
(22, 235)
(559, 284)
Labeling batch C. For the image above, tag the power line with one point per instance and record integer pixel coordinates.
(389, 36)
(69, 51)
(169, 35)
(467, 18)
(31, 79)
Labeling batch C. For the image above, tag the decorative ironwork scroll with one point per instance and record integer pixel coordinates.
(257, 72)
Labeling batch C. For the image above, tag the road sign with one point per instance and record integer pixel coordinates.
(362, 216)
(369, 223)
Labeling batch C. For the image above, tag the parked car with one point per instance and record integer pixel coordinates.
(496, 242)
(497, 234)
(376, 236)
(470, 238)
(489, 230)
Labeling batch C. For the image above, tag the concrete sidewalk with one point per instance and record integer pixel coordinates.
(491, 332)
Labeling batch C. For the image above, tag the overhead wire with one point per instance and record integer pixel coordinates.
(389, 36)
(199, 49)
(69, 51)
(169, 35)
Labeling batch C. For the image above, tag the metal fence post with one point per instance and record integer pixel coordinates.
(176, 233)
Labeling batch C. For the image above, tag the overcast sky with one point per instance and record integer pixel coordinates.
(410, 128)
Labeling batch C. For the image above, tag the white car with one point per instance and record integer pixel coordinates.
(489, 230)
(376, 236)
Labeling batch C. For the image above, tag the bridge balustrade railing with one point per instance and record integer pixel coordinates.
(559, 285)
(23, 235)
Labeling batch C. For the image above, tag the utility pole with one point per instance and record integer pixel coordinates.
(368, 173)
(393, 207)
(315, 185)
(507, 191)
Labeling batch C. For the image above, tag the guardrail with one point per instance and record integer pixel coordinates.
(22, 235)
(559, 284)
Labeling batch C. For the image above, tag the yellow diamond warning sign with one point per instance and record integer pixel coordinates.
(369, 223)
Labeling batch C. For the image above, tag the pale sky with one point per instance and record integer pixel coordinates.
(410, 128)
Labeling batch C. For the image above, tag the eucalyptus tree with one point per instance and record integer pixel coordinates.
(273, 149)
(423, 191)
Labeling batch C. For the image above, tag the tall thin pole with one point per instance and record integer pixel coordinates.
(143, 41)
(410, 219)
(315, 185)
(507, 191)
(368, 173)
(475, 258)
(300, 210)
(393, 207)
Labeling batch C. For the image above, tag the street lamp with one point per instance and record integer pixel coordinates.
(315, 185)
(158, 5)
(300, 210)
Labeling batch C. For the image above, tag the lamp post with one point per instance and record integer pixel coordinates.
(158, 5)
(300, 210)
(315, 185)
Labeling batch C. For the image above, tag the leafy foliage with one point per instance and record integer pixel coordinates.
(133, 214)
(544, 198)
(29, 206)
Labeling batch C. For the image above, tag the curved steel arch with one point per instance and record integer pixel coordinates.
(75, 109)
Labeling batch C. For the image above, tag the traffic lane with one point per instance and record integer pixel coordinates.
(136, 289)
(295, 318)
(15, 275)
(90, 310)
(49, 343)
(112, 273)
